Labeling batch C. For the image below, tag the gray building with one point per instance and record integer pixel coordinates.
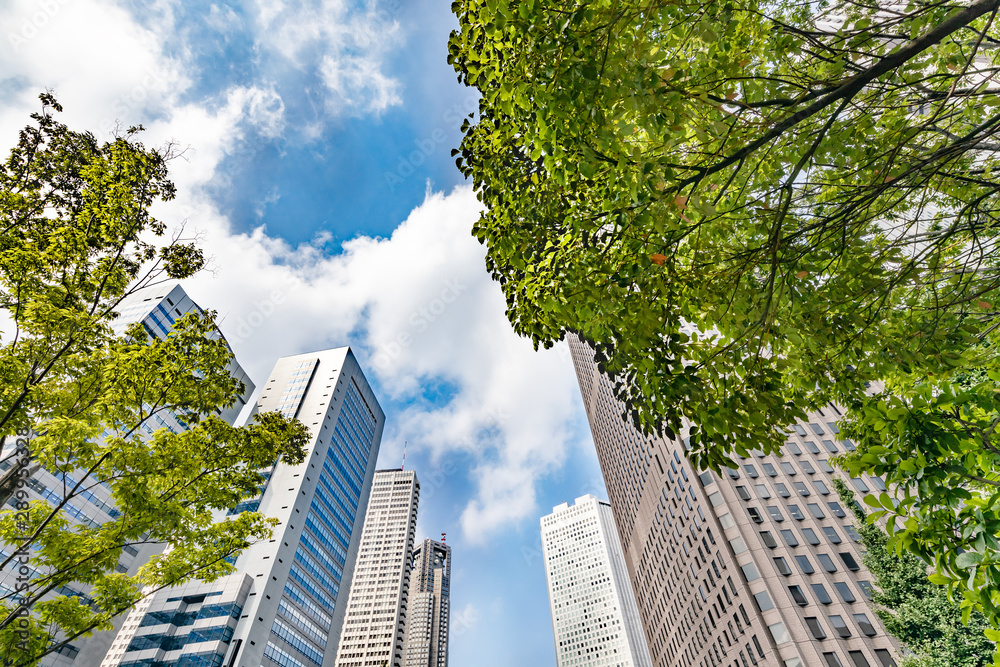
(284, 605)
(156, 308)
(595, 621)
(375, 619)
(429, 606)
(760, 566)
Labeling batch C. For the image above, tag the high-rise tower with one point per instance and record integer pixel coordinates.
(759, 566)
(428, 609)
(595, 621)
(156, 308)
(284, 605)
(376, 609)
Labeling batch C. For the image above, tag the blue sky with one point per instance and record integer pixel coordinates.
(314, 140)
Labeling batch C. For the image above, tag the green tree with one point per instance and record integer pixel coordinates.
(76, 237)
(752, 209)
(918, 613)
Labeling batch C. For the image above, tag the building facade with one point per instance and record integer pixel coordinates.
(286, 598)
(428, 609)
(156, 308)
(760, 566)
(375, 618)
(595, 621)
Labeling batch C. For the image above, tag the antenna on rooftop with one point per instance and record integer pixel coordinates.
(403, 467)
(443, 536)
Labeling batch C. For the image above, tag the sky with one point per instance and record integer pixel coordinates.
(313, 141)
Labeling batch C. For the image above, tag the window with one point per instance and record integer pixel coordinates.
(859, 659)
(831, 534)
(788, 468)
(844, 591)
(800, 429)
(867, 588)
(804, 564)
(819, 590)
(793, 662)
(832, 660)
(800, 487)
(833, 427)
(821, 487)
(817, 429)
(793, 447)
(768, 539)
(885, 657)
(867, 629)
(853, 534)
(775, 513)
(836, 509)
(738, 545)
(810, 536)
(705, 477)
(831, 446)
(732, 472)
(816, 510)
(727, 521)
(877, 483)
(750, 571)
(715, 498)
(826, 562)
(763, 491)
(859, 484)
(808, 467)
(782, 566)
(849, 561)
(769, 469)
(796, 512)
(781, 489)
(789, 537)
(764, 601)
(798, 595)
(779, 633)
(742, 492)
(755, 515)
(848, 445)
(812, 447)
(750, 471)
(839, 625)
(815, 628)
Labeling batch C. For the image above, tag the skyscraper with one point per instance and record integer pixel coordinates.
(284, 605)
(376, 609)
(595, 621)
(156, 308)
(758, 566)
(428, 609)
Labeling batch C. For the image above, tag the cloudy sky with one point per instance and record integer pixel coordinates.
(315, 140)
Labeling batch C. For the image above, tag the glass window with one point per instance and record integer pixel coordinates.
(788, 468)
(885, 657)
(817, 429)
(768, 539)
(816, 510)
(705, 477)
(769, 469)
(866, 626)
(793, 662)
(825, 466)
(839, 625)
(798, 595)
(832, 660)
(781, 489)
(821, 487)
(819, 590)
(742, 492)
(750, 470)
(815, 628)
(859, 659)
(812, 447)
(793, 447)
(877, 483)
(851, 533)
(808, 467)
(764, 601)
(758, 453)
(860, 485)
(738, 545)
(755, 514)
(789, 538)
(844, 591)
(796, 512)
(775, 513)
(800, 487)
(831, 534)
(715, 498)
(727, 521)
(830, 446)
(810, 536)
(848, 445)
(867, 588)
(836, 509)
(849, 561)
(750, 572)
(779, 633)
(782, 566)
(732, 472)
(826, 562)
(763, 491)
(804, 564)
(800, 429)
(833, 427)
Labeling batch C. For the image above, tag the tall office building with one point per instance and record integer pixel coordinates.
(284, 605)
(758, 566)
(156, 308)
(428, 608)
(375, 621)
(595, 621)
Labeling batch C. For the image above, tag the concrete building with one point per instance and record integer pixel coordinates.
(284, 605)
(428, 609)
(595, 621)
(760, 566)
(156, 308)
(375, 618)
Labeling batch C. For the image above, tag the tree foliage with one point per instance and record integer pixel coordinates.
(752, 209)
(76, 237)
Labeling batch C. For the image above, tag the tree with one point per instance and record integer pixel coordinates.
(76, 237)
(918, 613)
(753, 209)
